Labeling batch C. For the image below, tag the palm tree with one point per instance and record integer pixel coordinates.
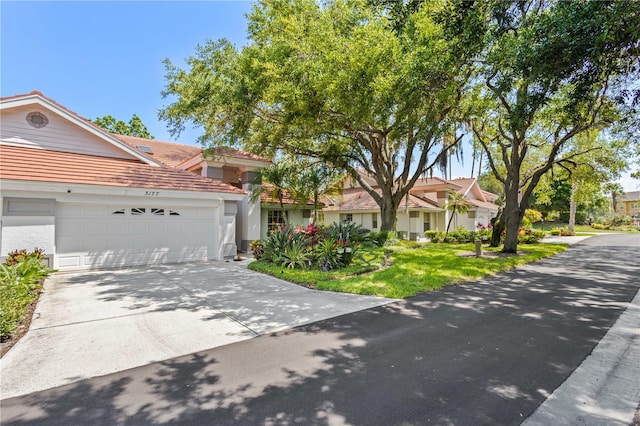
(456, 203)
(317, 179)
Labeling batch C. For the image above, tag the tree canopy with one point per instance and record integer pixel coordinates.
(546, 76)
(346, 82)
(134, 127)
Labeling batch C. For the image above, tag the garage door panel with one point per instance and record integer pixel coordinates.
(94, 237)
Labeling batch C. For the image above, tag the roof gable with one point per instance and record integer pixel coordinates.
(64, 131)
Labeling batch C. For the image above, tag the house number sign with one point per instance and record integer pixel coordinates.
(151, 193)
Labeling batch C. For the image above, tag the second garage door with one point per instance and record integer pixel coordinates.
(98, 236)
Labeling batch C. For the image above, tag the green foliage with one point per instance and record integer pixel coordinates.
(135, 126)
(349, 232)
(340, 81)
(20, 281)
(411, 270)
(326, 254)
(380, 238)
(257, 248)
(434, 236)
(296, 254)
(532, 216)
(613, 221)
(530, 236)
(581, 217)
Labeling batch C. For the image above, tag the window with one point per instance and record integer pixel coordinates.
(137, 211)
(426, 225)
(346, 218)
(119, 211)
(276, 218)
(374, 220)
(306, 214)
(157, 212)
(173, 213)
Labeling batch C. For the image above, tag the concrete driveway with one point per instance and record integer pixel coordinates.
(95, 323)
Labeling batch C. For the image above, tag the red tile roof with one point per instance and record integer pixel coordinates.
(172, 154)
(361, 200)
(287, 199)
(32, 164)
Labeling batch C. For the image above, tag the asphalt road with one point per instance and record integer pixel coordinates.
(487, 352)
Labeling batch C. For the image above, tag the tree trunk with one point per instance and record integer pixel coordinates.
(388, 212)
(497, 226)
(453, 213)
(512, 217)
(572, 207)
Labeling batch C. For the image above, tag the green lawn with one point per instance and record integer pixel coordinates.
(586, 229)
(413, 270)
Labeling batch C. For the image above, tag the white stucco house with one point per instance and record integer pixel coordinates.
(422, 210)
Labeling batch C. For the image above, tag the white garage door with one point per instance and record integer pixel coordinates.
(98, 236)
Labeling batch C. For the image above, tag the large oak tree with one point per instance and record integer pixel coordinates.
(547, 76)
(356, 84)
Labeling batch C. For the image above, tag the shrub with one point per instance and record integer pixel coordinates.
(530, 236)
(555, 231)
(351, 232)
(581, 217)
(21, 279)
(296, 253)
(434, 236)
(565, 232)
(532, 216)
(462, 235)
(379, 238)
(257, 248)
(326, 254)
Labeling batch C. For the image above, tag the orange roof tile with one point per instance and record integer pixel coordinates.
(265, 196)
(361, 200)
(172, 154)
(32, 164)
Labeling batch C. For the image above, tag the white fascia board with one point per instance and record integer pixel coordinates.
(103, 190)
(95, 130)
(243, 163)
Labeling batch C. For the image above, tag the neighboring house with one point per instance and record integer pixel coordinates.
(629, 204)
(92, 199)
(422, 210)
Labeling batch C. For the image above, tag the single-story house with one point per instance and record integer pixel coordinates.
(422, 210)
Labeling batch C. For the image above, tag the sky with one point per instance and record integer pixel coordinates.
(105, 58)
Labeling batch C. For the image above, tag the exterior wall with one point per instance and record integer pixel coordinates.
(295, 218)
(29, 231)
(58, 135)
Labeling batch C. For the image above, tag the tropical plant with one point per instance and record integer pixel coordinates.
(456, 203)
(326, 254)
(295, 254)
(21, 279)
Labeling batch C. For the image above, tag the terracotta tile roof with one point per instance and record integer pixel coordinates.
(631, 196)
(168, 153)
(265, 196)
(32, 164)
(173, 154)
(482, 204)
(361, 200)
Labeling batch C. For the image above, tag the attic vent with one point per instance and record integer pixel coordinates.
(145, 148)
(37, 119)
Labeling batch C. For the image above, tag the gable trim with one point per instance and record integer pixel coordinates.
(49, 104)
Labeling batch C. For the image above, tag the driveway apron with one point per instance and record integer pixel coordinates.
(95, 323)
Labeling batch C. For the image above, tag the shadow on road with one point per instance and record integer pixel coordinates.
(486, 352)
